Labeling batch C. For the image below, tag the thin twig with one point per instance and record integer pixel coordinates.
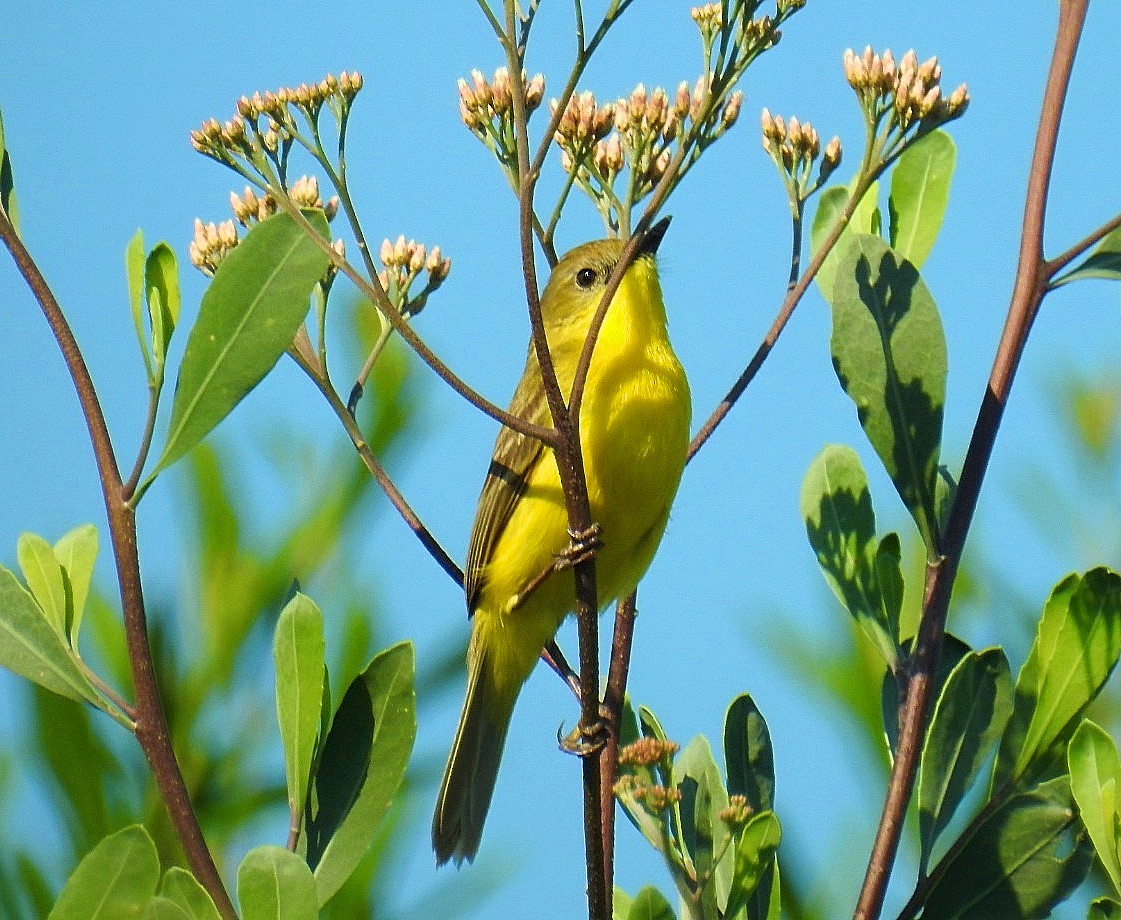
(151, 722)
(1061, 261)
(1027, 294)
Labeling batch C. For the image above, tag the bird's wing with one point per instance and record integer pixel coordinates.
(512, 463)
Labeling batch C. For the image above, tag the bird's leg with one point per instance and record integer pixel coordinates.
(582, 546)
(585, 739)
(555, 659)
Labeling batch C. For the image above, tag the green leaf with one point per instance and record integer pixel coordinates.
(181, 887)
(703, 797)
(865, 219)
(889, 578)
(160, 908)
(841, 527)
(354, 789)
(1095, 782)
(1020, 862)
(298, 651)
(114, 881)
(134, 275)
(920, 190)
(44, 577)
(7, 186)
(654, 827)
(1075, 650)
(161, 288)
(649, 904)
(953, 650)
(620, 903)
(248, 318)
(1104, 909)
(755, 854)
(971, 711)
(76, 552)
(749, 759)
(32, 648)
(1104, 262)
(890, 356)
(275, 884)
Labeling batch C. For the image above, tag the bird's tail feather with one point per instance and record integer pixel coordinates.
(469, 778)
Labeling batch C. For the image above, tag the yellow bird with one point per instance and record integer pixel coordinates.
(634, 433)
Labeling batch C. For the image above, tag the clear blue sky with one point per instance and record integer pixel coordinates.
(98, 100)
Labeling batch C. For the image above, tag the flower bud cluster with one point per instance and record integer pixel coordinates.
(265, 122)
(582, 124)
(647, 751)
(737, 813)
(909, 91)
(487, 108)
(403, 262)
(795, 146)
(249, 207)
(656, 799)
(211, 244)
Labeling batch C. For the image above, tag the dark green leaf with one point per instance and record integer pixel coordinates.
(865, 219)
(755, 853)
(1095, 782)
(275, 884)
(889, 578)
(920, 189)
(1021, 861)
(76, 552)
(181, 887)
(248, 318)
(44, 577)
(1104, 262)
(703, 797)
(1104, 909)
(1075, 650)
(381, 720)
(298, 652)
(890, 356)
(649, 904)
(748, 757)
(32, 648)
(841, 527)
(7, 186)
(114, 881)
(953, 650)
(970, 714)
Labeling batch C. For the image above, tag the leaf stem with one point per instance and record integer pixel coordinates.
(151, 723)
(1027, 294)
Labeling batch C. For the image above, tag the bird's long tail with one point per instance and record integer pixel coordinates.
(465, 793)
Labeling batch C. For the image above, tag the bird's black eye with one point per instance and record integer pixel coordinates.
(585, 277)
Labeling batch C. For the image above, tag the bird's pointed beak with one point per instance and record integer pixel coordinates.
(653, 237)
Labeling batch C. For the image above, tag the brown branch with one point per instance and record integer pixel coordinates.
(1053, 266)
(151, 722)
(1028, 291)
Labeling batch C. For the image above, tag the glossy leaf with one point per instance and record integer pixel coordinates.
(865, 219)
(1075, 649)
(889, 352)
(160, 908)
(649, 904)
(134, 275)
(1095, 782)
(620, 903)
(7, 184)
(920, 190)
(76, 552)
(354, 789)
(1104, 262)
(969, 716)
(749, 759)
(181, 887)
(161, 287)
(44, 577)
(1026, 857)
(114, 881)
(755, 853)
(275, 884)
(298, 652)
(32, 648)
(248, 317)
(841, 527)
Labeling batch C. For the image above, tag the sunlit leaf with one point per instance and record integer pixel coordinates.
(748, 756)
(160, 908)
(755, 853)
(181, 887)
(889, 352)
(275, 884)
(865, 219)
(114, 881)
(1075, 650)
(76, 551)
(1095, 782)
(920, 190)
(44, 577)
(7, 185)
(649, 904)
(248, 317)
(1104, 909)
